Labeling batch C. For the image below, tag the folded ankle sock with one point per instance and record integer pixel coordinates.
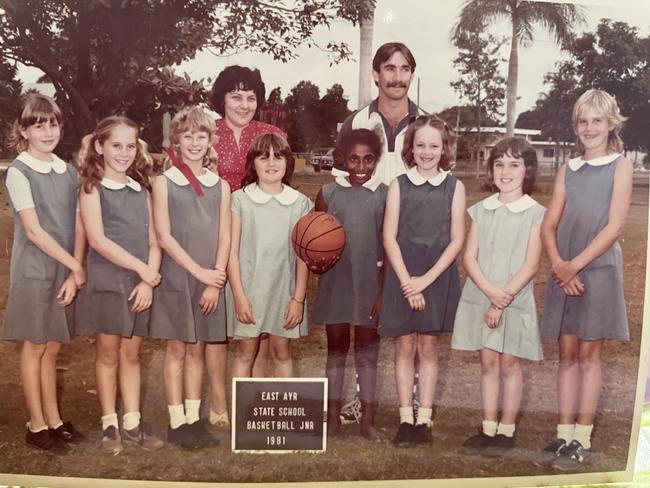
(406, 415)
(108, 420)
(176, 416)
(565, 431)
(424, 415)
(57, 424)
(582, 434)
(507, 430)
(490, 427)
(192, 410)
(130, 420)
(37, 429)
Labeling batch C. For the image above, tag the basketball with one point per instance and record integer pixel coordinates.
(316, 236)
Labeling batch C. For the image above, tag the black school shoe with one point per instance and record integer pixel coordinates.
(404, 436)
(44, 441)
(422, 434)
(477, 443)
(201, 433)
(499, 446)
(67, 433)
(571, 456)
(191, 436)
(550, 453)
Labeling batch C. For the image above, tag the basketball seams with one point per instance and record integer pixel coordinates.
(307, 246)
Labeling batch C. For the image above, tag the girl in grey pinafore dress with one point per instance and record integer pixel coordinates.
(33, 313)
(584, 301)
(103, 305)
(423, 234)
(42, 190)
(194, 222)
(349, 293)
(122, 262)
(600, 313)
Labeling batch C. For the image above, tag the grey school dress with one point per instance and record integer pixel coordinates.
(194, 221)
(423, 233)
(267, 262)
(103, 305)
(32, 312)
(600, 313)
(347, 292)
(503, 231)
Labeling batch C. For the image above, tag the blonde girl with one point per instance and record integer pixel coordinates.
(584, 301)
(192, 214)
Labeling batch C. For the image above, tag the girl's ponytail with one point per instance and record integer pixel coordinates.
(90, 163)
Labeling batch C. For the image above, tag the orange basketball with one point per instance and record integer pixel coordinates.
(316, 236)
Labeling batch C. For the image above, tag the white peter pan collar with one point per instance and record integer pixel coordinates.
(576, 163)
(523, 203)
(57, 164)
(372, 184)
(208, 178)
(287, 196)
(417, 179)
(116, 185)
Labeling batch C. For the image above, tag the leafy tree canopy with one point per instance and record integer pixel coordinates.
(613, 58)
(100, 53)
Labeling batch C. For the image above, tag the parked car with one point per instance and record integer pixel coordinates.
(322, 159)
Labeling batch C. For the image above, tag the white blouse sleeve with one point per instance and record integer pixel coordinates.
(20, 192)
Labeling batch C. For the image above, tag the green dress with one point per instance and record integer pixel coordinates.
(267, 261)
(503, 231)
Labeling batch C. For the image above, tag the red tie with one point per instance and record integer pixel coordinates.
(186, 170)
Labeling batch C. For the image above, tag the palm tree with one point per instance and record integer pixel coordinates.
(366, 26)
(558, 19)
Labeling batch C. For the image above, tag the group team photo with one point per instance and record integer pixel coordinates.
(468, 278)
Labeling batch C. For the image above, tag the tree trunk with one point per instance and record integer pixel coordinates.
(511, 97)
(366, 27)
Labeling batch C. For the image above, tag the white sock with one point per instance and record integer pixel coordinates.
(130, 420)
(424, 415)
(38, 429)
(192, 410)
(218, 417)
(565, 431)
(57, 425)
(490, 427)
(507, 430)
(108, 420)
(582, 434)
(406, 415)
(176, 416)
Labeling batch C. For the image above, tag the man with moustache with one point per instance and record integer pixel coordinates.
(393, 67)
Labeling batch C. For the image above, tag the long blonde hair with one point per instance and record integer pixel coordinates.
(605, 104)
(91, 163)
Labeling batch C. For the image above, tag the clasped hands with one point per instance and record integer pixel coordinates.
(565, 274)
(412, 290)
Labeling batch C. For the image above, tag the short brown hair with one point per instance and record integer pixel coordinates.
(37, 108)
(386, 51)
(262, 145)
(518, 148)
(448, 140)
